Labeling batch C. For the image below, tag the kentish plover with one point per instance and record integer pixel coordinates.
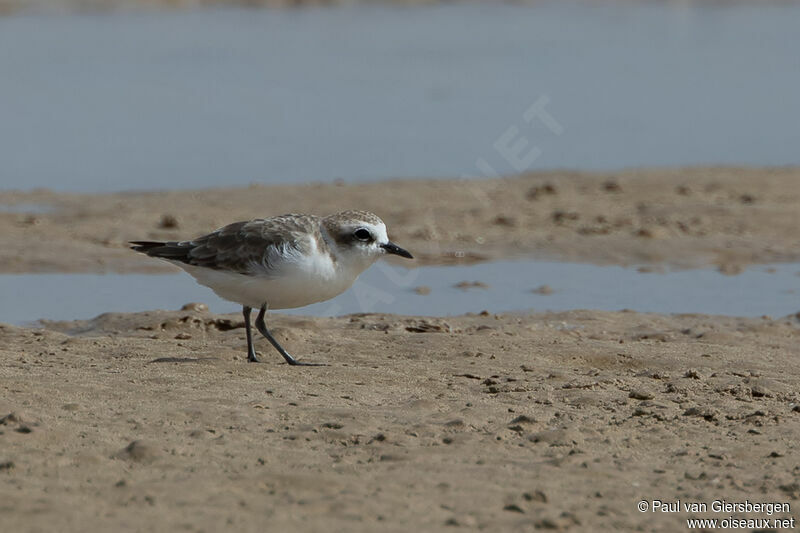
(280, 262)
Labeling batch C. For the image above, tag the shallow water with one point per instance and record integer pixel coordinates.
(211, 97)
(764, 290)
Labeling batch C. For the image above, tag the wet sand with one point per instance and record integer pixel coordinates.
(155, 422)
(729, 217)
(515, 422)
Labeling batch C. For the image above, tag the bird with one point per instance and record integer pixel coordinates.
(280, 262)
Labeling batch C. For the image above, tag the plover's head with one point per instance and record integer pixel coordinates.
(360, 237)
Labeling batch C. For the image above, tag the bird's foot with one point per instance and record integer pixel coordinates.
(295, 362)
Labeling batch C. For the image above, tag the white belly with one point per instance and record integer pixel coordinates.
(295, 288)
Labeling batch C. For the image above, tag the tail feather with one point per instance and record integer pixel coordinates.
(145, 246)
(176, 251)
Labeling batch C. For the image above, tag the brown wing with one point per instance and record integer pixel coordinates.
(238, 246)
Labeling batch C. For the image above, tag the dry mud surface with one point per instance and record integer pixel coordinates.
(681, 217)
(156, 422)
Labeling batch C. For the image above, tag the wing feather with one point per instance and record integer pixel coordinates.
(242, 247)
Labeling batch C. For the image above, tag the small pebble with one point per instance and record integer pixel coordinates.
(194, 306)
(10, 418)
(504, 220)
(638, 394)
(168, 222)
(702, 412)
(543, 289)
(137, 451)
(464, 285)
(535, 496)
(513, 507)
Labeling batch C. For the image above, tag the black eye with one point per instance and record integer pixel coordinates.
(362, 234)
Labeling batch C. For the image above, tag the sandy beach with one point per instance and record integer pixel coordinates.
(155, 422)
(515, 422)
(684, 218)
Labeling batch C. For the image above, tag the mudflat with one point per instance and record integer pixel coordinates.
(155, 421)
(729, 217)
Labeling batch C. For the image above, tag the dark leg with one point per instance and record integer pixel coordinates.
(251, 350)
(262, 327)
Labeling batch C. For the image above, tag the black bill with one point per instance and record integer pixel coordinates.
(392, 248)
